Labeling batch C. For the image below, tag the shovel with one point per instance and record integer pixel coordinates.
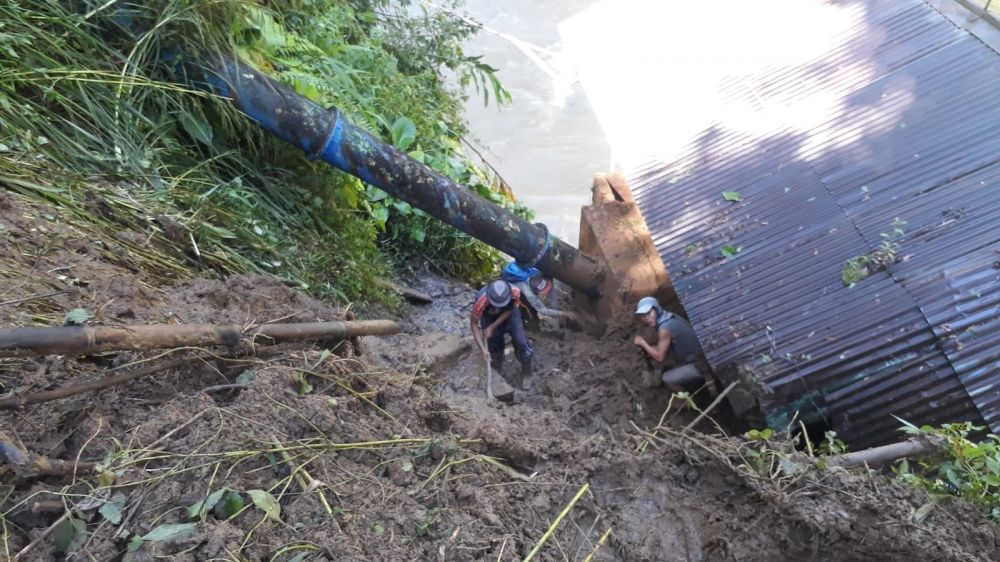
(506, 393)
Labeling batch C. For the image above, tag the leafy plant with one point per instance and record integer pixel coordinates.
(966, 468)
(730, 252)
(69, 534)
(858, 268)
(77, 317)
(112, 509)
(267, 503)
(93, 121)
(832, 445)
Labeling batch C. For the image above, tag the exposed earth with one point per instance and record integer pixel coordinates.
(390, 450)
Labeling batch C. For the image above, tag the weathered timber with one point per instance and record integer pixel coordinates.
(409, 294)
(81, 340)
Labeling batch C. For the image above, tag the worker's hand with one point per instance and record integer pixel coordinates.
(638, 341)
(488, 332)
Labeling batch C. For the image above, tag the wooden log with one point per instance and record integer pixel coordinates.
(81, 340)
(411, 295)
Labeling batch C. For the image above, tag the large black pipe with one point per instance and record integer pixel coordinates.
(326, 134)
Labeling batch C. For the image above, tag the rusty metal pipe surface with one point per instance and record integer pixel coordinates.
(78, 340)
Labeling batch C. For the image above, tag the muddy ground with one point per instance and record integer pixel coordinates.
(393, 454)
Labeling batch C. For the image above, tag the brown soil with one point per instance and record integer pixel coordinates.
(397, 455)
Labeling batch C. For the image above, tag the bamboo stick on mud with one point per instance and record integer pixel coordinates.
(79, 340)
(597, 547)
(555, 524)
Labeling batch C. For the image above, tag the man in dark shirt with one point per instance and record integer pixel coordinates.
(676, 340)
(494, 314)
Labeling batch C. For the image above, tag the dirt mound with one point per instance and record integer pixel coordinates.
(395, 455)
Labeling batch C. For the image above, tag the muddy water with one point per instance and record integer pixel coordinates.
(547, 144)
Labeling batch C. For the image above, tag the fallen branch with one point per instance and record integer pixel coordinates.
(40, 538)
(712, 406)
(28, 465)
(81, 340)
(14, 402)
(408, 293)
(34, 298)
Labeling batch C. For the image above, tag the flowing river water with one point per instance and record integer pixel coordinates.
(548, 143)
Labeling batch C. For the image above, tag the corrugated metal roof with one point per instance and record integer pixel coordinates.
(908, 128)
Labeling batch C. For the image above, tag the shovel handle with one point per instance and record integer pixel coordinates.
(489, 377)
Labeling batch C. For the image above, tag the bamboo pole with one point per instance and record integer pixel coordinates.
(81, 340)
(555, 524)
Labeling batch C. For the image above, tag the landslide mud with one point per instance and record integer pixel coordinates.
(396, 454)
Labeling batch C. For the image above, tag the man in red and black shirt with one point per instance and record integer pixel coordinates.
(494, 314)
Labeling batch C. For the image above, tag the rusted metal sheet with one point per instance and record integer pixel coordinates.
(913, 134)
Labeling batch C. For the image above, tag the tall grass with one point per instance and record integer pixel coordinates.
(92, 121)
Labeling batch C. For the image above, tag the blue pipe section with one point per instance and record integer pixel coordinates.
(327, 135)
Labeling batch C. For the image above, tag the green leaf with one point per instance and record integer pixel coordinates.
(375, 194)
(231, 504)
(112, 509)
(69, 534)
(404, 132)
(197, 126)
(378, 528)
(304, 386)
(402, 207)
(789, 467)
(733, 196)
(417, 234)
(245, 377)
(134, 544)
(202, 507)
(907, 426)
(170, 532)
(266, 503)
(730, 252)
(77, 317)
(380, 214)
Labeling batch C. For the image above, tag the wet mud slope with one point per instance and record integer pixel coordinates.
(388, 450)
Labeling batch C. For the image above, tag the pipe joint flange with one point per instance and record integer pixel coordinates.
(545, 247)
(330, 137)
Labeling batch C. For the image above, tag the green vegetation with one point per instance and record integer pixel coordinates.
(92, 121)
(860, 267)
(964, 468)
